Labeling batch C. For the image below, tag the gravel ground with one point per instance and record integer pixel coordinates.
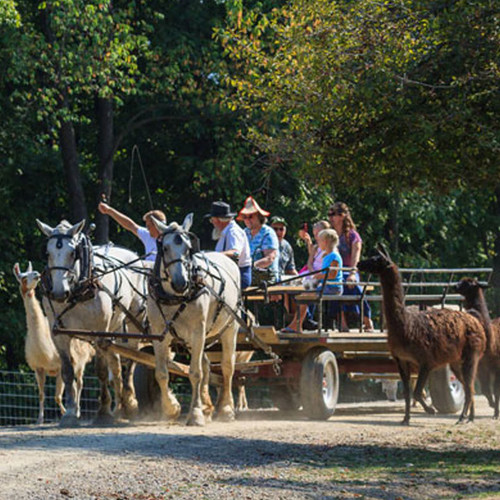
(264, 454)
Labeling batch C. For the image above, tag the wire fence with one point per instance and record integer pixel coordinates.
(19, 401)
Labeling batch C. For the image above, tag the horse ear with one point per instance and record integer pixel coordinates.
(46, 229)
(30, 267)
(76, 229)
(188, 222)
(160, 226)
(17, 271)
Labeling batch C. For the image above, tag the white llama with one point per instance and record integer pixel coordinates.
(40, 351)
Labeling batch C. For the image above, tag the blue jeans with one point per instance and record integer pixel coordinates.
(246, 276)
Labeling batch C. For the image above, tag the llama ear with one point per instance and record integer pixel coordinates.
(17, 271)
(383, 251)
(46, 229)
(30, 267)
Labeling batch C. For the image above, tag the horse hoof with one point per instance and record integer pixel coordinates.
(226, 415)
(196, 418)
(68, 421)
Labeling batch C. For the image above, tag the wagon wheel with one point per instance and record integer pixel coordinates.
(447, 393)
(319, 383)
(284, 398)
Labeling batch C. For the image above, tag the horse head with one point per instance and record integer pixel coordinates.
(28, 280)
(63, 262)
(174, 258)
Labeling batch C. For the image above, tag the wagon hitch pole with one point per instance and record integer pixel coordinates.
(138, 356)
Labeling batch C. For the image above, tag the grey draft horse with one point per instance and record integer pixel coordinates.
(81, 284)
(191, 297)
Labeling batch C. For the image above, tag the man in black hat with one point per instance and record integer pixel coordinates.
(231, 239)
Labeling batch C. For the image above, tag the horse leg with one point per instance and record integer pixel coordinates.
(423, 375)
(64, 347)
(103, 415)
(40, 379)
(79, 369)
(208, 407)
(195, 416)
(171, 408)
(242, 398)
(59, 393)
(404, 372)
(225, 409)
(129, 400)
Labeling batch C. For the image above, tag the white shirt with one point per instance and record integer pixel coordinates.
(231, 237)
(149, 243)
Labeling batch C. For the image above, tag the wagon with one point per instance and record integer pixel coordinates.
(303, 370)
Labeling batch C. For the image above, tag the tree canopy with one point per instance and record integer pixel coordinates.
(400, 94)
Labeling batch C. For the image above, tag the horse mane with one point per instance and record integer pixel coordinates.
(63, 226)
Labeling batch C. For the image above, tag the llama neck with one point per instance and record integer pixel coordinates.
(35, 319)
(392, 291)
(477, 302)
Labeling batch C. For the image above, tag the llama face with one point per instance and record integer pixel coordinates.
(28, 280)
(375, 265)
(468, 287)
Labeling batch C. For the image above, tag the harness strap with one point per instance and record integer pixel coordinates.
(116, 301)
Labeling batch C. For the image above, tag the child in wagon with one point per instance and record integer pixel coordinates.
(328, 241)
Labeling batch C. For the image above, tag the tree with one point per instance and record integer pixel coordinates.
(397, 95)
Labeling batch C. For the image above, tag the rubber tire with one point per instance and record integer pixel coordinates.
(446, 392)
(147, 390)
(283, 398)
(319, 367)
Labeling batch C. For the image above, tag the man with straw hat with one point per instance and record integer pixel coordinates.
(231, 239)
(264, 245)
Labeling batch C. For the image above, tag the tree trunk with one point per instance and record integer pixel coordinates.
(393, 222)
(105, 142)
(77, 206)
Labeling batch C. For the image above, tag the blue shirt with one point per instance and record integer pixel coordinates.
(327, 262)
(265, 239)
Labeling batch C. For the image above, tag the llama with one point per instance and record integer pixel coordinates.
(40, 351)
(427, 339)
(489, 366)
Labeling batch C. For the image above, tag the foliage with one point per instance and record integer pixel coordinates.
(397, 94)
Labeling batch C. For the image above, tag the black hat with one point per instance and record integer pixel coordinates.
(220, 209)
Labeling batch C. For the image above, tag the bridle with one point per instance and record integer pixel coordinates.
(194, 288)
(83, 252)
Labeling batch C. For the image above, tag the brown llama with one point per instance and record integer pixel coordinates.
(427, 339)
(489, 366)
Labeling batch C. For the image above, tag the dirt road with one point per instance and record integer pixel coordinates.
(361, 452)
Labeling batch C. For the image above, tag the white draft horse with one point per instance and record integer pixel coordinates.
(81, 286)
(191, 297)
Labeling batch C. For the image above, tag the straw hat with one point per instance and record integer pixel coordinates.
(251, 207)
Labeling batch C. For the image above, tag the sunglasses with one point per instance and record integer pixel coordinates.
(331, 214)
(244, 217)
(279, 229)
